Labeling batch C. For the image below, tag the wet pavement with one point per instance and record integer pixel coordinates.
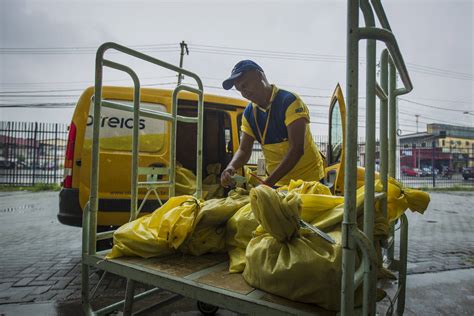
(442, 293)
(40, 262)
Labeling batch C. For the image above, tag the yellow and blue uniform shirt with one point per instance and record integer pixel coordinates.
(285, 108)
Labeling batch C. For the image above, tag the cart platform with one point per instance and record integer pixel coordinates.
(204, 278)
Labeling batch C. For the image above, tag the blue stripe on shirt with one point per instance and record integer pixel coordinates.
(277, 131)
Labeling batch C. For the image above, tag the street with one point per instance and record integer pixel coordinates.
(41, 259)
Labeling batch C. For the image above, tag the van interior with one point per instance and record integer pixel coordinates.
(217, 140)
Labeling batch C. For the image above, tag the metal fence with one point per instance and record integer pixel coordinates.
(321, 142)
(443, 167)
(32, 153)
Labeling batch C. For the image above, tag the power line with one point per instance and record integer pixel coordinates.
(448, 76)
(323, 57)
(82, 50)
(213, 49)
(294, 56)
(38, 96)
(173, 50)
(443, 100)
(172, 83)
(38, 105)
(433, 120)
(86, 47)
(10, 93)
(219, 48)
(280, 84)
(359, 126)
(339, 57)
(261, 56)
(78, 82)
(261, 51)
(362, 115)
(439, 70)
(314, 96)
(363, 108)
(434, 107)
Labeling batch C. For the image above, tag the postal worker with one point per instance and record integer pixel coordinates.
(279, 121)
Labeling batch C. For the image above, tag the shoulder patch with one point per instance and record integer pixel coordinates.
(284, 99)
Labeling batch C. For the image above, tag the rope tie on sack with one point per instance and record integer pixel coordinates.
(279, 214)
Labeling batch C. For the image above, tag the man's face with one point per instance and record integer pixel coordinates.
(251, 87)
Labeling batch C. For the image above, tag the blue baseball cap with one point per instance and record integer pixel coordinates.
(241, 67)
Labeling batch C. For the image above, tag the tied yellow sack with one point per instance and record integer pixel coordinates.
(186, 182)
(239, 231)
(288, 261)
(212, 183)
(159, 233)
(400, 198)
(306, 187)
(319, 209)
(209, 229)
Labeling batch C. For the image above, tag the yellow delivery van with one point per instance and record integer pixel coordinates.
(222, 117)
(222, 120)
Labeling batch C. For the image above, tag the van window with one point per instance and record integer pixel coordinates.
(116, 129)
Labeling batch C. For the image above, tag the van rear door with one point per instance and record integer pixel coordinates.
(115, 155)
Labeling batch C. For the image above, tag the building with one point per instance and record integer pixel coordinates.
(445, 146)
(29, 153)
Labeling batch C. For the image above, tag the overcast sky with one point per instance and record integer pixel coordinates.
(48, 46)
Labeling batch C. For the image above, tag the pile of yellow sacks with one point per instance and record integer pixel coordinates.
(260, 231)
(183, 223)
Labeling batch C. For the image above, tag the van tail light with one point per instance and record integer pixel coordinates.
(69, 160)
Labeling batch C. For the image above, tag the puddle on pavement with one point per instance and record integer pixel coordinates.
(26, 208)
(48, 308)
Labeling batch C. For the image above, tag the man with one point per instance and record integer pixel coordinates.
(279, 121)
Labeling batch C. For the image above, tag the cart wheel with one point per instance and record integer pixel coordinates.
(207, 309)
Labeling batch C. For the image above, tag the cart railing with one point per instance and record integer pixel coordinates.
(90, 235)
(386, 91)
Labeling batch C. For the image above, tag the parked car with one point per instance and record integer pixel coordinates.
(6, 164)
(467, 173)
(426, 172)
(21, 165)
(411, 172)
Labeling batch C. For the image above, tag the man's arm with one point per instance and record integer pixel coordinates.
(239, 160)
(296, 138)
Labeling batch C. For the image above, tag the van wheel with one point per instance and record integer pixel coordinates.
(207, 309)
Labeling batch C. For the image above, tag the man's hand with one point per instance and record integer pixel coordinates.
(226, 177)
(239, 160)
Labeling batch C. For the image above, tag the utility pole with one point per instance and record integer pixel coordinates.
(184, 47)
(433, 143)
(417, 116)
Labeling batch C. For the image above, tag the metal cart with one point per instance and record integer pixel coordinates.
(206, 278)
